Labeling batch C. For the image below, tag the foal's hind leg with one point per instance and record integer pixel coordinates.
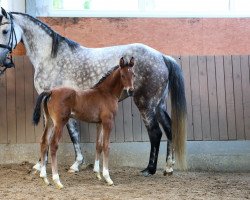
(165, 121)
(75, 138)
(45, 140)
(53, 150)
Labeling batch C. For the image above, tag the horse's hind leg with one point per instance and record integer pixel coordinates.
(155, 135)
(99, 145)
(154, 132)
(74, 136)
(165, 121)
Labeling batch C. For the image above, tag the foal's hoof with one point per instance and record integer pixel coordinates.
(58, 184)
(34, 171)
(98, 175)
(71, 170)
(36, 168)
(46, 181)
(146, 172)
(110, 182)
(165, 173)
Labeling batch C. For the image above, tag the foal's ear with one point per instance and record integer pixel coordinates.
(121, 62)
(132, 62)
(4, 13)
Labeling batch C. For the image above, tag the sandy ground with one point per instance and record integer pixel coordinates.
(18, 182)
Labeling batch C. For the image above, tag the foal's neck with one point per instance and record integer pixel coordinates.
(112, 84)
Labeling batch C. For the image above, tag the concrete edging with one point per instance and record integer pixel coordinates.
(228, 156)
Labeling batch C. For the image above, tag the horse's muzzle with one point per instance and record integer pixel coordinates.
(4, 61)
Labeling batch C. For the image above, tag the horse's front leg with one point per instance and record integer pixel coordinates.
(107, 127)
(99, 144)
(53, 150)
(74, 136)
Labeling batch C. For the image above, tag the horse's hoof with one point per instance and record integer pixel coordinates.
(46, 181)
(165, 173)
(146, 172)
(98, 175)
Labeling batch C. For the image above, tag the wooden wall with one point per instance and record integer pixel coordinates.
(217, 91)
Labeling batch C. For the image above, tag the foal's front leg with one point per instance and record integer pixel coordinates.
(99, 144)
(107, 127)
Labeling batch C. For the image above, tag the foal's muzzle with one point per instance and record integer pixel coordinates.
(130, 92)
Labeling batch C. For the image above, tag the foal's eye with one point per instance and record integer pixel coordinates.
(123, 76)
(5, 32)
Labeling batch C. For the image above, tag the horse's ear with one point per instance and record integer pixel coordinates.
(132, 62)
(4, 13)
(121, 62)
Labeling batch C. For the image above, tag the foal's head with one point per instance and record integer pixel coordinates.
(127, 75)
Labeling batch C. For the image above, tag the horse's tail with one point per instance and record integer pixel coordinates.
(178, 110)
(43, 97)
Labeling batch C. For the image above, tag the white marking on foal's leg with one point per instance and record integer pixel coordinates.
(106, 176)
(43, 175)
(97, 170)
(57, 181)
(37, 167)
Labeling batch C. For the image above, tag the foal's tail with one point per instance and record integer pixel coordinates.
(43, 97)
(178, 110)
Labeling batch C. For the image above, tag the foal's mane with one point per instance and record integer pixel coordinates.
(106, 76)
(56, 38)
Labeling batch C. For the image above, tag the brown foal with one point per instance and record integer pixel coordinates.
(96, 105)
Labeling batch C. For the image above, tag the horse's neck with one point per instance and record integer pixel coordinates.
(37, 42)
(112, 84)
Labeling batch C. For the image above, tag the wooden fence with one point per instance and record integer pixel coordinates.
(217, 91)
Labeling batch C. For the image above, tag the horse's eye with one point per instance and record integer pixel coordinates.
(123, 76)
(5, 32)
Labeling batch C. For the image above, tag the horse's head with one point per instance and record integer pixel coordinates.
(127, 75)
(10, 36)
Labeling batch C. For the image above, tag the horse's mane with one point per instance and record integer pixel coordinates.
(56, 38)
(105, 76)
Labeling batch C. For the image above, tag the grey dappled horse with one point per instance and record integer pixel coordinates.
(59, 61)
